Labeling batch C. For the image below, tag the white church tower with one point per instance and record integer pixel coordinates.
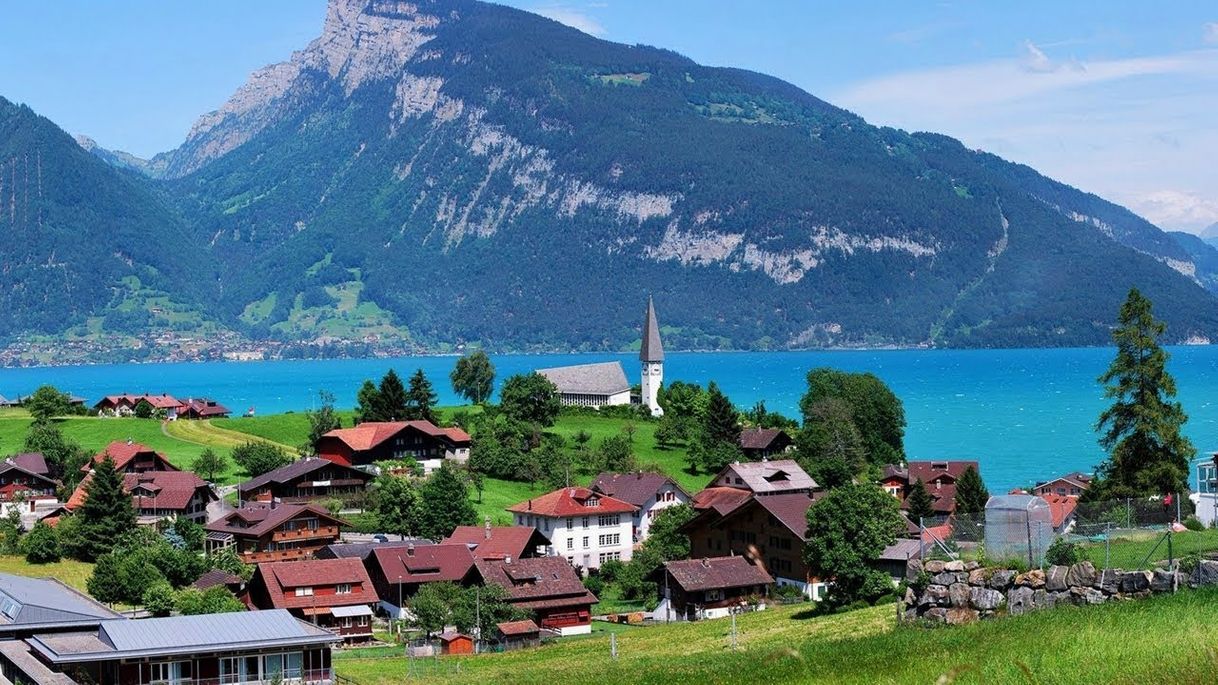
(652, 356)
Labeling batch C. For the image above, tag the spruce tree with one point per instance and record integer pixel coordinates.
(445, 504)
(368, 403)
(971, 495)
(107, 512)
(391, 398)
(420, 398)
(722, 422)
(1141, 431)
(919, 505)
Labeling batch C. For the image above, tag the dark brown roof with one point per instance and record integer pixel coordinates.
(298, 469)
(426, 564)
(216, 577)
(759, 438)
(721, 500)
(261, 519)
(503, 541)
(716, 573)
(363, 550)
(791, 509)
(652, 350)
(538, 583)
(636, 488)
(281, 578)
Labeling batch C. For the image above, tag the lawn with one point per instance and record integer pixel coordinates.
(74, 573)
(1141, 549)
(1161, 640)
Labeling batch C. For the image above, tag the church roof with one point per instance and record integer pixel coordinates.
(606, 378)
(652, 350)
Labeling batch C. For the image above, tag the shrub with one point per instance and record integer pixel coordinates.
(1189, 562)
(1193, 523)
(1063, 553)
(610, 570)
(41, 545)
(595, 585)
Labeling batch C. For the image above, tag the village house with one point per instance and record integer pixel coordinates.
(709, 587)
(584, 526)
(397, 573)
(363, 550)
(26, 476)
(305, 480)
(546, 586)
(518, 634)
(939, 477)
(500, 542)
(202, 408)
(273, 532)
(258, 647)
(231, 582)
(763, 478)
(158, 496)
(769, 531)
(1206, 496)
(649, 492)
(374, 441)
(590, 385)
(124, 405)
(131, 457)
(765, 443)
(31, 606)
(335, 594)
(894, 559)
(1069, 485)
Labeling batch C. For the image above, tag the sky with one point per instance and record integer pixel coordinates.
(1118, 98)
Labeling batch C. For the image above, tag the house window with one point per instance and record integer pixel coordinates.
(610, 540)
(304, 592)
(570, 523)
(609, 520)
(570, 543)
(592, 502)
(343, 589)
(585, 522)
(585, 542)
(714, 595)
(610, 556)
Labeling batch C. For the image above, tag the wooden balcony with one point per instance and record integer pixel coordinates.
(328, 532)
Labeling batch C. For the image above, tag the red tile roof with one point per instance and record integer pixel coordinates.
(716, 573)
(572, 502)
(538, 583)
(204, 408)
(169, 489)
(504, 541)
(636, 488)
(123, 452)
(1060, 506)
(721, 500)
(514, 628)
(281, 578)
(423, 564)
(368, 435)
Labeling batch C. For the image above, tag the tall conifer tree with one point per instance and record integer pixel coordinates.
(420, 398)
(107, 512)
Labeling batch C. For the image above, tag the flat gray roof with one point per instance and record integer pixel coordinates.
(604, 378)
(46, 602)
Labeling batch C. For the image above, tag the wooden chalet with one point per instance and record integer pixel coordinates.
(26, 475)
(158, 495)
(336, 594)
(274, 532)
(491, 543)
(131, 457)
(305, 480)
(397, 572)
(709, 587)
(371, 442)
(547, 586)
(765, 443)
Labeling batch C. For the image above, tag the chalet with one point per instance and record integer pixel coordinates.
(371, 442)
(518, 634)
(939, 477)
(363, 550)
(46, 605)
(202, 408)
(694, 589)
(26, 475)
(159, 495)
(244, 647)
(763, 478)
(590, 385)
(397, 573)
(765, 443)
(336, 594)
(131, 457)
(546, 586)
(124, 405)
(500, 542)
(273, 532)
(1062, 509)
(305, 480)
(650, 493)
(768, 531)
(1069, 485)
(585, 526)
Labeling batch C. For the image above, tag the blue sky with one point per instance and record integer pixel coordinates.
(1118, 98)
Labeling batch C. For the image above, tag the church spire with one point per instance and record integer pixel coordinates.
(652, 350)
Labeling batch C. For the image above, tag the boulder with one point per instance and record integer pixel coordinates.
(933, 566)
(958, 594)
(1108, 581)
(911, 615)
(1055, 578)
(1081, 574)
(1090, 595)
(1019, 600)
(1033, 579)
(955, 566)
(1001, 579)
(960, 615)
(938, 615)
(1040, 599)
(910, 597)
(985, 599)
(1060, 598)
(913, 568)
(946, 578)
(1163, 581)
(1135, 581)
(978, 577)
(935, 594)
(971, 566)
(1206, 573)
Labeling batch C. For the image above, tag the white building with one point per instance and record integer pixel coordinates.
(651, 493)
(651, 355)
(1206, 496)
(586, 527)
(590, 385)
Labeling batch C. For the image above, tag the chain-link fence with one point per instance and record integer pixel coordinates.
(1034, 532)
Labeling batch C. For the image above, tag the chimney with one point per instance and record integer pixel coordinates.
(130, 441)
(410, 550)
(488, 528)
(530, 505)
(507, 559)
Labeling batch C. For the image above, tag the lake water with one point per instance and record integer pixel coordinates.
(1024, 414)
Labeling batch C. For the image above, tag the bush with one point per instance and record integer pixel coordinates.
(1189, 562)
(1063, 553)
(595, 585)
(610, 570)
(41, 545)
(1193, 523)
(159, 599)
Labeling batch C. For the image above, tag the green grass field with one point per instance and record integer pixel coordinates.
(1141, 549)
(1162, 640)
(74, 573)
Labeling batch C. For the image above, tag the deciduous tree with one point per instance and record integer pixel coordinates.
(395, 502)
(847, 530)
(258, 457)
(875, 410)
(209, 463)
(473, 377)
(322, 420)
(445, 504)
(46, 403)
(530, 398)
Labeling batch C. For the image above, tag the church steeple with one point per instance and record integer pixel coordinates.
(651, 354)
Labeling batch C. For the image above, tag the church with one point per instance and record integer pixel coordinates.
(604, 383)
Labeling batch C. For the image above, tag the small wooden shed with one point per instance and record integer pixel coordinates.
(519, 634)
(452, 642)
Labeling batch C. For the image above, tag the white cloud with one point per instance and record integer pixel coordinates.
(1210, 32)
(575, 18)
(1176, 209)
(1035, 59)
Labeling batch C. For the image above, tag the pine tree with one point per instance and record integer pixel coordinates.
(445, 504)
(391, 398)
(107, 512)
(368, 403)
(722, 422)
(1148, 454)
(420, 398)
(971, 495)
(919, 505)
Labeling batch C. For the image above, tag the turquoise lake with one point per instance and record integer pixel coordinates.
(1024, 414)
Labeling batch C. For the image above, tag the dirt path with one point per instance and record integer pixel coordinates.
(205, 434)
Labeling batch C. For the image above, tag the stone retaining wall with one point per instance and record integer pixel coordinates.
(961, 592)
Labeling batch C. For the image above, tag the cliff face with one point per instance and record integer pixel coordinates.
(455, 171)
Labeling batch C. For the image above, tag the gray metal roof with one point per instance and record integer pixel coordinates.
(233, 632)
(901, 550)
(46, 602)
(605, 378)
(652, 350)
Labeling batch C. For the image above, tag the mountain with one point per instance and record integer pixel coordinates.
(1210, 234)
(88, 248)
(118, 158)
(450, 171)
(1203, 254)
